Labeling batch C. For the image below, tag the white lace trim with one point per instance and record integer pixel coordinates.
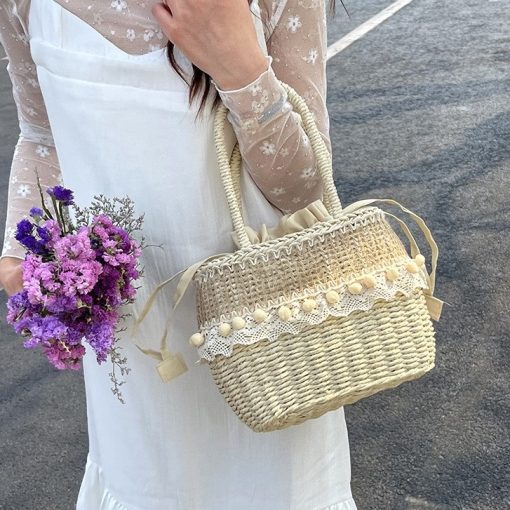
(272, 327)
(264, 251)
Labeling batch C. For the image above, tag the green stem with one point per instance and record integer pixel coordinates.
(43, 203)
(55, 208)
(64, 231)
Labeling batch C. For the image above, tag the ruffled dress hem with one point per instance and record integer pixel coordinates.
(345, 504)
(95, 495)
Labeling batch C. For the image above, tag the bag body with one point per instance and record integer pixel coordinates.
(304, 323)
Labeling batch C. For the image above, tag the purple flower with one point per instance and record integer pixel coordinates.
(64, 356)
(24, 228)
(45, 329)
(16, 305)
(44, 235)
(79, 269)
(101, 334)
(35, 212)
(53, 229)
(40, 280)
(63, 304)
(24, 234)
(61, 194)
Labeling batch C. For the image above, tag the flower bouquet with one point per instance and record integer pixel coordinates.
(76, 278)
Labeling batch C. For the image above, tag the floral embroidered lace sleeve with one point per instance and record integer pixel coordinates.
(274, 146)
(35, 147)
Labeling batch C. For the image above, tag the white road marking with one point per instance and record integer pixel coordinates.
(365, 27)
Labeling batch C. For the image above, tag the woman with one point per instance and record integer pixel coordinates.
(103, 109)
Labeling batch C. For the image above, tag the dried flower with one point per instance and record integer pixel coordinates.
(76, 278)
(61, 194)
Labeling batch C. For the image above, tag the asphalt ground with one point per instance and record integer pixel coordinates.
(420, 112)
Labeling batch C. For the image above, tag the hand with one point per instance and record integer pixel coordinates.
(11, 275)
(218, 36)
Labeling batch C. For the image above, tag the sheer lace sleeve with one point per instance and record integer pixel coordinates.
(35, 147)
(276, 150)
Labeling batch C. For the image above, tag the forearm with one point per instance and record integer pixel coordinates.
(273, 143)
(23, 192)
(34, 149)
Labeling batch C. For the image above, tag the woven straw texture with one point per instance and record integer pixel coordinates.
(327, 253)
(272, 385)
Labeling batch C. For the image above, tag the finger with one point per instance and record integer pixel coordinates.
(13, 288)
(164, 17)
(161, 10)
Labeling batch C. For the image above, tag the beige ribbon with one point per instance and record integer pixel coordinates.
(290, 223)
(434, 304)
(172, 365)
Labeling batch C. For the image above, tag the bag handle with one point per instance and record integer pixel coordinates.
(235, 165)
(231, 187)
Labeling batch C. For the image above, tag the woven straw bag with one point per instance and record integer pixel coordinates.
(298, 325)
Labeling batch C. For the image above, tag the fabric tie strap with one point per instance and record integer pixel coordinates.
(434, 304)
(172, 365)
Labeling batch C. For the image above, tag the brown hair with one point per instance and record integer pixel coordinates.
(201, 79)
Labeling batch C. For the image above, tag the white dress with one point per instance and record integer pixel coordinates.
(122, 125)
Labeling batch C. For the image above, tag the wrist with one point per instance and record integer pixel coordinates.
(7, 263)
(242, 74)
(256, 102)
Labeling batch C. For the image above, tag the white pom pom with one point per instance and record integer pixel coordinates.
(420, 259)
(285, 313)
(238, 323)
(224, 329)
(308, 305)
(260, 315)
(391, 274)
(197, 339)
(332, 296)
(355, 288)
